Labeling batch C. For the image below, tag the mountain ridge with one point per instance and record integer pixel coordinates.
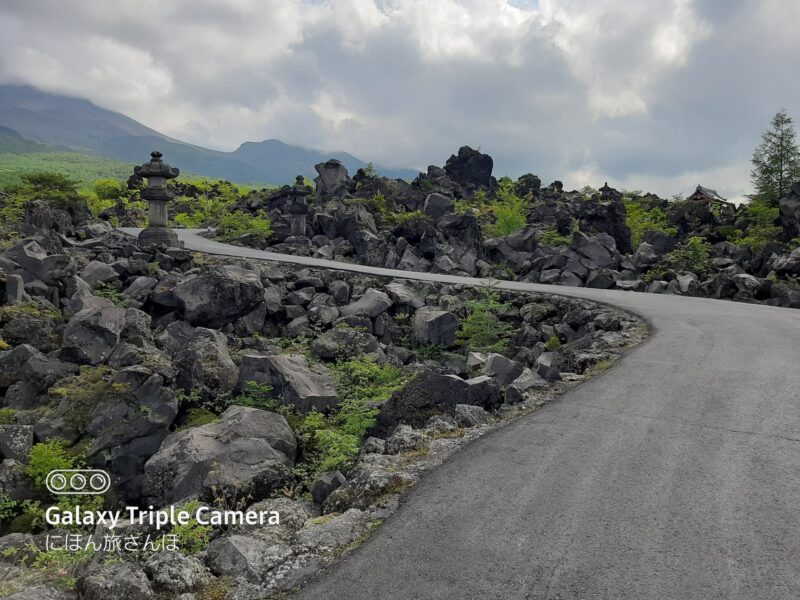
(78, 124)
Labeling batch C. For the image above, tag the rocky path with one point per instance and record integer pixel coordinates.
(675, 475)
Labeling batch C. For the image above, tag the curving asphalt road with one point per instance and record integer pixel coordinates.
(676, 475)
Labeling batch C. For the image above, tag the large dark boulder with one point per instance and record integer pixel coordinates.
(429, 394)
(293, 380)
(470, 168)
(91, 334)
(790, 212)
(332, 181)
(249, 451)
(218, 295)
(205, 365)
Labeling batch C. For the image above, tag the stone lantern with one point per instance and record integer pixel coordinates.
(157, 194)
(297, 206)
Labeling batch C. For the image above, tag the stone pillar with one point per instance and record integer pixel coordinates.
(157, 194)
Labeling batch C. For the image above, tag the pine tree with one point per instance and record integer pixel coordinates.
(776, 160)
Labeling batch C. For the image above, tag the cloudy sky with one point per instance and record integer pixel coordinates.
(648, 94)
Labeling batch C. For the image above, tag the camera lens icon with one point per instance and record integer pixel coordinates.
(78, 481)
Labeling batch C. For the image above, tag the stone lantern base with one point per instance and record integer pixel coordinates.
(159, 235)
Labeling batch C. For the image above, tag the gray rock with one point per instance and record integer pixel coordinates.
(332, 180)
(334, 533)
(15, 290)
(248, 450)
(467, 415)
(403, 295)
(374, 445)
(140, 288)
(245, 557)
(205, 364)
(371, 304)
(91, 334)
(436, 327)
(176, 573)
(293, 380)
(405, 438)
(43, 592)
(503, 369)
(219, 295)
(436, 205)
(99, 272)
(339, 291)
(31, 257)
(120, 580)
(343, 343)
(325, 484)
(16, 441)
(26, 363)
(527, 380)
(440, 424)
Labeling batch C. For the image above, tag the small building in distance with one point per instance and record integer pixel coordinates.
(709, 196)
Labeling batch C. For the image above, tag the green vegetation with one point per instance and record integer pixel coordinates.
(759, 219)
(82, 167)
(45, 457)
(376, 204)
(7, 416)
(256, 395)
(553, 343)
(84, 392)
(200, 416)
(109, 292)
(192, 537)
(482, 330)
(508, 209)
(640, 220)
(4, 345)
(408, 217)
(332, 442)
(551, 237)
(776, 160)
(237, 224)
(692, 255)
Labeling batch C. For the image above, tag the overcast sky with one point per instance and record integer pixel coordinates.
(649, 94)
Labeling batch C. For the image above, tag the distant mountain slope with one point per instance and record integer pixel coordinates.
(80, 125)
(11, 141)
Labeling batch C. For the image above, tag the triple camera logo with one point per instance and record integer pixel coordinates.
(78, 481)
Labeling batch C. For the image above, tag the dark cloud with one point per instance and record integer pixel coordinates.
(659, 94)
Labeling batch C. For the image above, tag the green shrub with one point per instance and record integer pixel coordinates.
(45, 457)
(407, 217)
(108, 189)
(332, 442)
(84, 392)
(482, 330)
(239, 223)
(364, 380)
(508, 210)
(7, 416)
(640, 220)
(692, 255)
(553, 343)
(4, 345)
(376, 204)
(256, 395)
(192, 537)
(551, 237)
(109, 292)
(200, 416)
(760, 229)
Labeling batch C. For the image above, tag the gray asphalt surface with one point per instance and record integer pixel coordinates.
(675, 475)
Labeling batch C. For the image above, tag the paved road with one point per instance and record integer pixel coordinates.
(675, 475)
